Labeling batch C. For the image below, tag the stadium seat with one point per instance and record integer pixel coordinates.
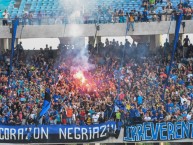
(49, 6)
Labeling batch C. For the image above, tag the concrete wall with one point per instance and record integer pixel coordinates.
(85, 30)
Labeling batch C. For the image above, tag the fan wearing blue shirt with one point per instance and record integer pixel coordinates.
(170, 110)
(168, 105)
(56, 97)
(139, 100)
(161, 116)
(154, 117)
(137, 113)
(144, 110)
(184, 106)
(176, 107)
(153, 111)
(191, 95)
(145, 19)
(132, 114)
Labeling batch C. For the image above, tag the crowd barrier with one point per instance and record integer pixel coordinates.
(46, 20)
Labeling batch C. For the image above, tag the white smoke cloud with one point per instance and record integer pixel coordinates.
(74, 10)
(81, 59)
(75, 30)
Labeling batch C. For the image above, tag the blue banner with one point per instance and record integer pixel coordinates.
(56, 133)
(164, 131)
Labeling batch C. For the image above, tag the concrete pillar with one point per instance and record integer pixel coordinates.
(91, 39)
(1, 46)
(154, 42)
(1, 43)
(98, 39)
(9, 42)
(181, 37)
(144, 39)
(65, 40)
(171, 38)
(16, 42)
(6, 43)
(78, 41)
(94, 40)
(136, 38)
(157, 42)
(141, 38)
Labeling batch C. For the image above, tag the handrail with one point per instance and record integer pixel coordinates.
(82, 20)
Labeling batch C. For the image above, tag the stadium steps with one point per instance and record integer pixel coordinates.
(17, 7)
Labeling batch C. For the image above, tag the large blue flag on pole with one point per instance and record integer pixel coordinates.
(177, 30)
(15, 24)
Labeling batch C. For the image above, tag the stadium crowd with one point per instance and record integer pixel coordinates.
(106, 14)
(132, 93)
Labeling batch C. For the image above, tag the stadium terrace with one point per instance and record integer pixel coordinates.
(86, 87)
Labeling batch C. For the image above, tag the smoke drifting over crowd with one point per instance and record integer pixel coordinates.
(79, 53)
(80, 56)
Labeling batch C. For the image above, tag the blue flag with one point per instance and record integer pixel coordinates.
(46, 105)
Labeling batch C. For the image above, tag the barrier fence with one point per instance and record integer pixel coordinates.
(47, 20)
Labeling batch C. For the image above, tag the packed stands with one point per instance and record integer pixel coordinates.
(92, 96)
(101, 11)
(3, 5)
(116, 84)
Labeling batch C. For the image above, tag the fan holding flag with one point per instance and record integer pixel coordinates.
(46, 105)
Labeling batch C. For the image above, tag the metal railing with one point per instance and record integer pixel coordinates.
(46, 20)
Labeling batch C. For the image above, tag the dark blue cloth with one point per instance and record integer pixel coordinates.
(56, 98)
(145, 16)
(161, 116)
(120, 104)
(181, 82)
(137, 113)
(168, 106)
(45, 108)
(132, 113)
(167, 69)
(46, 105)
(15, 24)
(153, 111)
